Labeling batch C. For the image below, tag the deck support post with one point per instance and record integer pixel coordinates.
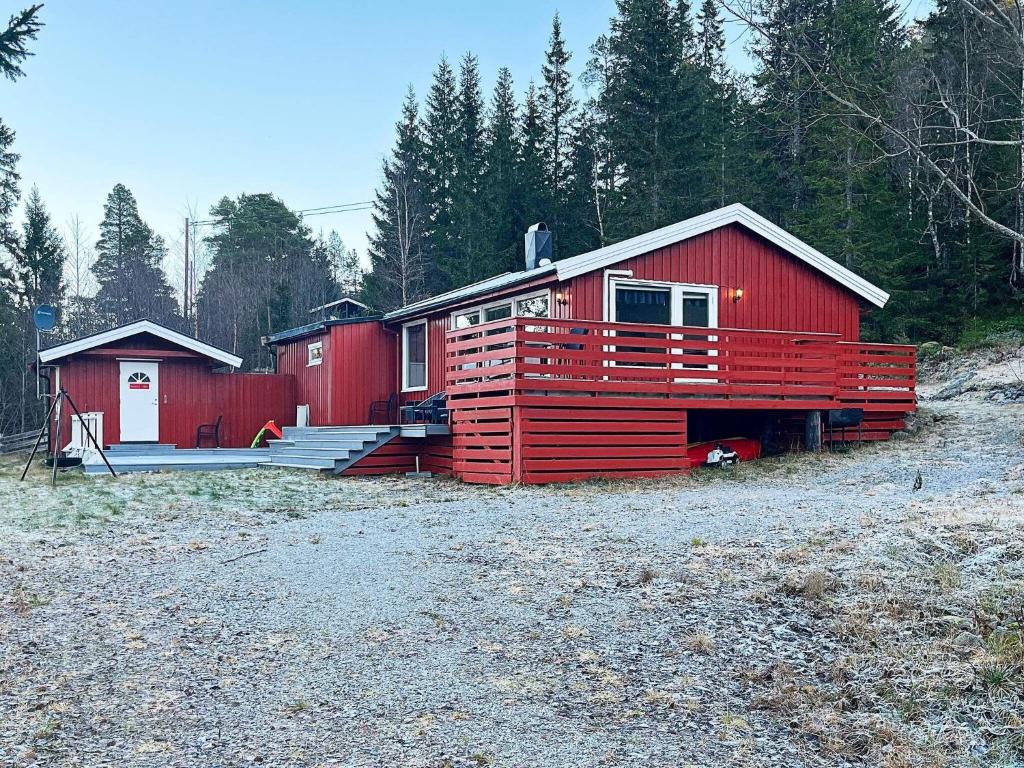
(812, 431)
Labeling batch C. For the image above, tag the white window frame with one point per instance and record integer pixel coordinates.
(677, 290)
(310, 360)
(405, 356)
(513, 301)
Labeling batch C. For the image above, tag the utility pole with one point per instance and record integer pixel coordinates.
(185, 298)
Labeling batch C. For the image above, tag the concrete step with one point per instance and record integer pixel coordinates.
(340, 445)
(313, 453)
(321, 433)
(305, 462)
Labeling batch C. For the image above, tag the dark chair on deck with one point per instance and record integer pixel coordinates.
(429, 411)
(209, 432)
(383, 408)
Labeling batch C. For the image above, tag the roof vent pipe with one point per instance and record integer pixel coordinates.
(538, 246)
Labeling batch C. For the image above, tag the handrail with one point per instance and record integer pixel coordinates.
(578, 356)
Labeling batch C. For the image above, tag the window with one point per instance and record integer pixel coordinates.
(651, 303)
(314, 353)
(414, 356)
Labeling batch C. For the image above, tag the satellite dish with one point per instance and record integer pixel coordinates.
(45, 318)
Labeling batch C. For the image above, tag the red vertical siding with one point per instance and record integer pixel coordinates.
(780, 292)
(359, 366)
(191, 393)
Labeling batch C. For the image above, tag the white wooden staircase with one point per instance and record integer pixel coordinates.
(328, 449)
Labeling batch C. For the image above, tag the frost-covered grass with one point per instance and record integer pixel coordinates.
(80, 501)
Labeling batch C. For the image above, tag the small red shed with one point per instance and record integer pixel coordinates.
(146, 383)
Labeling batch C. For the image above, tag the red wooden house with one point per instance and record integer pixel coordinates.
(609, 363)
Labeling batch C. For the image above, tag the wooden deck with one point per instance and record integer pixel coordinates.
(552, 400)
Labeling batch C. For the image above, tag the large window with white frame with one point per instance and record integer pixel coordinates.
(414, 356)
(650, 302)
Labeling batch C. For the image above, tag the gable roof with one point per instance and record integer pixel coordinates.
(659, 238)
(133, 329)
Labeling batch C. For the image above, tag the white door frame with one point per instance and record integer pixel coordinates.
(676, 291)
(139, 401)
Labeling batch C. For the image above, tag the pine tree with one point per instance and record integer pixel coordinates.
(503, 183)
(128, 267)
(40, 260)
(399, 245)
(265, 275)
(558, 113)
(442, 147)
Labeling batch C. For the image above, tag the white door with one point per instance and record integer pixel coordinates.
(140, 402)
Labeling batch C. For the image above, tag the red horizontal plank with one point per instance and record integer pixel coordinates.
(619, 427)
(626, 453)
(540, 438)
(600, 414)
(640, 464)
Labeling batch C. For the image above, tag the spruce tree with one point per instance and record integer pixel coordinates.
(536, 201)
(467, 261)
(9, 191)
(21, 28)
(399, 244)
(40, 260)
(558, 113)
(442, 148)
(503, 183)
(128, 267)
(651, 102)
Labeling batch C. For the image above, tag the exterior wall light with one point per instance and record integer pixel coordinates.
(737, 295)
(561, 298)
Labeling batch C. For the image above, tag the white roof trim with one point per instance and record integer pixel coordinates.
(140, 326)
(731, 214)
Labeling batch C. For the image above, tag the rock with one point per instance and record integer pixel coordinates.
(956, 386)
(929, 349)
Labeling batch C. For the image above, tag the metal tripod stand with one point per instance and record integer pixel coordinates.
(59, 398)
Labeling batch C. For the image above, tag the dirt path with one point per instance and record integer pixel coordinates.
(810, 611)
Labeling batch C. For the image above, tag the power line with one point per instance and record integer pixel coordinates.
(361, 205)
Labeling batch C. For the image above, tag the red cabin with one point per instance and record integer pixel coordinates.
(612, 362)
(144, 383)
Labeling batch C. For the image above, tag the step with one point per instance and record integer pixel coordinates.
(341, 445)
(312, 453)
(306, 462)
(291, 433)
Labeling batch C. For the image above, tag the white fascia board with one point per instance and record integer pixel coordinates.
(698, 225)
(140, 326)
(442, 300)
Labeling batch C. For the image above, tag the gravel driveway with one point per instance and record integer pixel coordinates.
(276, 618)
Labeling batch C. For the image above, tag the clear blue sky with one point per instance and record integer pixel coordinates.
(185, 101)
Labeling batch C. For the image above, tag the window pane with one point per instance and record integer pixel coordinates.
(498, 313)
(696, 314)
(416, 356)
(643, 305)
(652, 306)
(536, 306)
(695, 310)
(467, 319)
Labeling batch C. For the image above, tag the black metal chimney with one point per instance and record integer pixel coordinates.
(538, 246)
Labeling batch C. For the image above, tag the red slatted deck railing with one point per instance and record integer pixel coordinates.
(521, 361)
